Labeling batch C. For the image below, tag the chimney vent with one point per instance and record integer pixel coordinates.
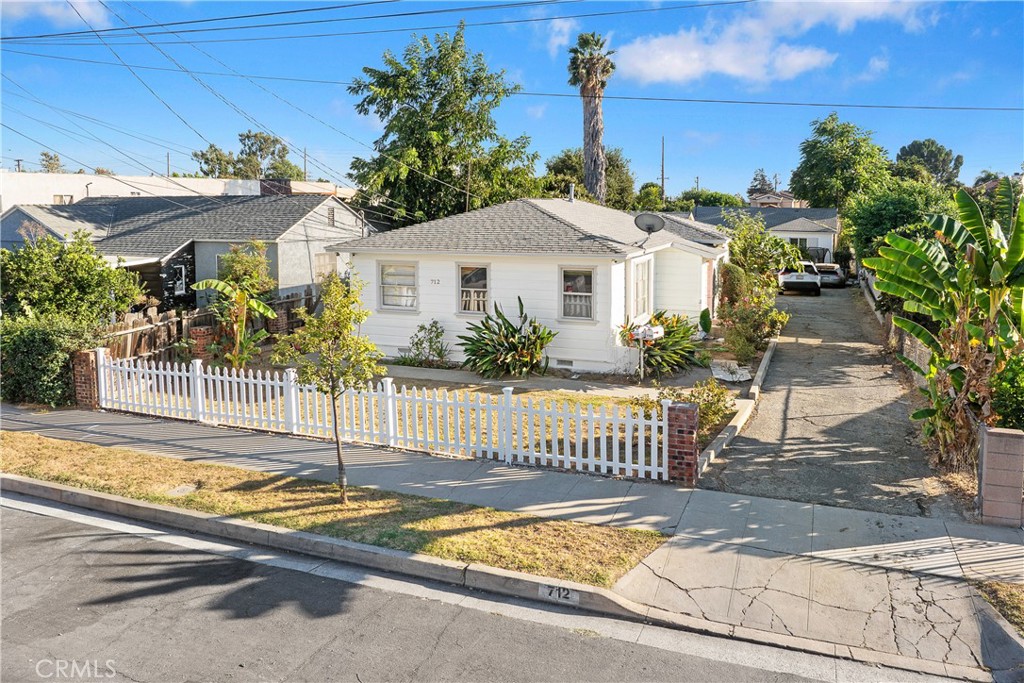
(572, 192)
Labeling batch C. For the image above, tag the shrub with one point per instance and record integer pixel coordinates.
(1008, 394)
(427, 348)
(37, 358)
(496, 346)
(752, 320)
(740, 345)
(714, 403)
(675, 351)
(734, 282)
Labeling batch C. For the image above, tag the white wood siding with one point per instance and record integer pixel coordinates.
(590, 345)
(679, 282)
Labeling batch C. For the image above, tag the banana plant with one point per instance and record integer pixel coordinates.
(969, 280)
(240, 304)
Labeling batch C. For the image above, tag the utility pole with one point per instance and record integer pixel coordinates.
(17, 165)
(776, 179)
(469, 175)
(305, 176)
(168, 164)
(662, 168)
(697, 180)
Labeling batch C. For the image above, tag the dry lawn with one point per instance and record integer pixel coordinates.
(586, 553)
(1008, 598)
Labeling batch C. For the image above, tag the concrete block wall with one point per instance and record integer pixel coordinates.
(681, 442)
(1001, 477)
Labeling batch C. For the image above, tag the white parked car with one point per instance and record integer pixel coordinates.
(831, 275)
(804, 278)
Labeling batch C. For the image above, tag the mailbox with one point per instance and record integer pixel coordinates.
(649, 332)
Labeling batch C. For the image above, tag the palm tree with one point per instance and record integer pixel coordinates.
(590, 65)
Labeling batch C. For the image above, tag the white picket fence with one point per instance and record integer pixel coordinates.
(617, 441)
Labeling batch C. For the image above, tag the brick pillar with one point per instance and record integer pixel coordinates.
(1001, 477)
(83, 371)
(201, 337)
(278, 326)
(681, 433)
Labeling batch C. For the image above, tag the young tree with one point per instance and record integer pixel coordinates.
(440, 152)
(754, 248)
(590, 66)
(836, 162)
(939, 160)
(47, 276)
(649, 198)
(620, 181)
(760, 184)
(329, 352)
(51, 163)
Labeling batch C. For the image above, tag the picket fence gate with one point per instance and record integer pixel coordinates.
(618, 441)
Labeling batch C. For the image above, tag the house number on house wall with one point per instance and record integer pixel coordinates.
(559, 594)
(435, 281)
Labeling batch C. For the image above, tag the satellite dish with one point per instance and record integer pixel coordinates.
(649, 222)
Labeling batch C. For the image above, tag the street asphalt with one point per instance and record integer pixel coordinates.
(79, 591)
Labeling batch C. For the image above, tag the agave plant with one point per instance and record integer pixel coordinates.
(969, 279)
(496, 346)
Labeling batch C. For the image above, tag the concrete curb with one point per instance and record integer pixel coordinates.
(871, 301)
(744, 409)
(473, 576)
(754, 392)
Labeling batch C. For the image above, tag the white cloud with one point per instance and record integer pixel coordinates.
(59, 14)
(559, 32)
(877, 66)
(759, 46)
(537, 111)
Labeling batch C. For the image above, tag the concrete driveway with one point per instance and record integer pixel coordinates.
(832, 425)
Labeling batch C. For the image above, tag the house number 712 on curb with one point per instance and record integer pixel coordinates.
(559, 594)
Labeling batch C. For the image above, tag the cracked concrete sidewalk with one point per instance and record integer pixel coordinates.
(887, 583)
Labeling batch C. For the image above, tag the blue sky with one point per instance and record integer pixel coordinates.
(936, 54)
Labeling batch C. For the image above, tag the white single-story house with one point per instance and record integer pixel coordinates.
(173, 242)
(816, 230)
(583, 270)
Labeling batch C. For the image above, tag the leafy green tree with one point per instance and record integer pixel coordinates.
(48, 276)
(649, 198)
(901, 206)
(760, 184)
(754, 248)
(711, 198)
(911, 169)
(590, 67)
(329, 352)
(620, 181)
(939, 160)
(838, 161)
(968, 279)
(248, 267)
(437, 103)
(51, 163)
(988, 198)
(986, 176)
(261, 155)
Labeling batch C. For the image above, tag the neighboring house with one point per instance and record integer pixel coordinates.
(173, 242)
(582, 269)
(782, 199)
(68, 188)
(813, 229)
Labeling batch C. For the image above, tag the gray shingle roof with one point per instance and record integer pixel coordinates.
(773, 217)
(695, 231)
(158, 226)
(532, 226)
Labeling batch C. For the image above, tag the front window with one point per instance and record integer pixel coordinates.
(473, 289)
(398, 285)
(578, 293)
(642, 288)
(800, 242)
(180, 281)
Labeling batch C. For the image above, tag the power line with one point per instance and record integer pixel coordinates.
(625, 98)
(203, 21)
(216, 93)
(447, 10)
(502, 22)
